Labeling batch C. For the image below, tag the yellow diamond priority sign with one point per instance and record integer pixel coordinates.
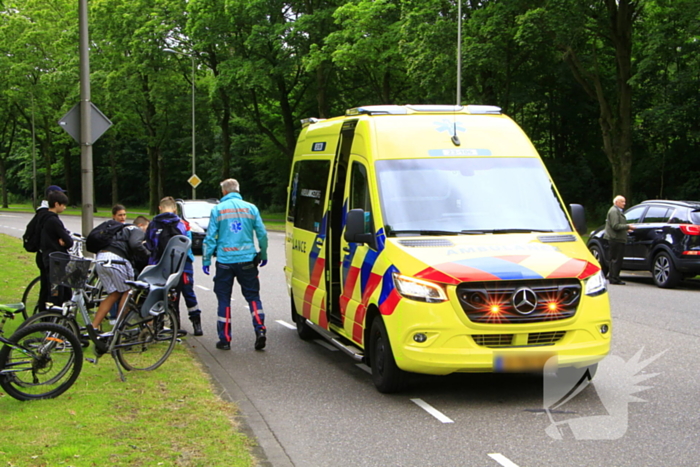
(194, 181)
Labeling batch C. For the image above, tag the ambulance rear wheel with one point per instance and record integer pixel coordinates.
(303, 330)
(386, 375)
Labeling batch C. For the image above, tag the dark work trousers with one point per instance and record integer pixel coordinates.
(247, 274)
(617, 253)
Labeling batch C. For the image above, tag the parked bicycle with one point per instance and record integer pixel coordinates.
(39, 361)
(146, 329)
(93, 286)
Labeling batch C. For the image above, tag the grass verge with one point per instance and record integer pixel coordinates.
(168, 417)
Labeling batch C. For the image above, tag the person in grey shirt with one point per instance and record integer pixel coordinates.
(616, 229)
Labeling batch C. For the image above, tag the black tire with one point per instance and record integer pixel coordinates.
(665, 273)
(304, 331)
(55, 318)
(45, 364)
(30, 297)
(597, 253)
(386, 375)
(145, 343)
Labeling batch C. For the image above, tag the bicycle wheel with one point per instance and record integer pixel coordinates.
(55, 318)
(145, 343)
(30, 297)
(42, 361)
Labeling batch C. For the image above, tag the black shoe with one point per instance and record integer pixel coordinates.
(260, 340)
(197, 326)
(223, 345)
(617, 282)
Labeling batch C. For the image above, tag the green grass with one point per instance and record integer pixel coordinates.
(170, 416)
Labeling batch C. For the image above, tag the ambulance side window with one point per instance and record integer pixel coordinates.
(308, 194)
(359, 193)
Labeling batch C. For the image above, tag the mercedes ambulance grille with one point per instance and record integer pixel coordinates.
(506, 340)
(532, 301)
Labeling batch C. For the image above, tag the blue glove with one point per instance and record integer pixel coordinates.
(263, 263)
(205, 270)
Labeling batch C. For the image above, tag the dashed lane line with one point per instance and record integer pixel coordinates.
(503, 460)
(432, 410)
(286, 324)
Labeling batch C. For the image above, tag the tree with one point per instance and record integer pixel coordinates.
(595, 39)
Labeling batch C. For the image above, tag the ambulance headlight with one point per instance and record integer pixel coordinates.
(417, 289)
(595, 285)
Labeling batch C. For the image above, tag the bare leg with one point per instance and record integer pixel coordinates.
(104, 308)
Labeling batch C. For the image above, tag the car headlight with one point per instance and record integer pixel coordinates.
(417, 289)
(595, 285)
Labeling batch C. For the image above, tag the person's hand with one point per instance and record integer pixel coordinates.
(205, 270)
(61, 242)
(263, 263)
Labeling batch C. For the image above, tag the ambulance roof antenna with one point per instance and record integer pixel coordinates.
(455, 138)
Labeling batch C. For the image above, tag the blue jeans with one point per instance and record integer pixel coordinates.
(247, 275)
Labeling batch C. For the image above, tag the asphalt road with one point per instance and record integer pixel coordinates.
(309, 405)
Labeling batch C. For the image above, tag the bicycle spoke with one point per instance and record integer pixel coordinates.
(144, 344)
(42, 361)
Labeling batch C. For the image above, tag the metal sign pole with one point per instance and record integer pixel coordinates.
(85, 122)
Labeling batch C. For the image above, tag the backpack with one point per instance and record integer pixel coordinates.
(32, 234)
(101, 236)
(162, 235)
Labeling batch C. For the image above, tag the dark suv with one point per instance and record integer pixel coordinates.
(196, 212)
(665, 241)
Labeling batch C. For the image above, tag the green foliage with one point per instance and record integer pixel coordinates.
(261, 66)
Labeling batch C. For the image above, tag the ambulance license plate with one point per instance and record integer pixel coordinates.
(521, 362)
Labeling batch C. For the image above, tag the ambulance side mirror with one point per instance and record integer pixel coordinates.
(355, 228)
(579, 217)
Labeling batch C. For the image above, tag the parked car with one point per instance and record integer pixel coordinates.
(665, 241)
(196, 212)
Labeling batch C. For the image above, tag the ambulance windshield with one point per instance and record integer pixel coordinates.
(453, 196)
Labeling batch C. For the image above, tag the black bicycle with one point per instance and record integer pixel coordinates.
(38, 361)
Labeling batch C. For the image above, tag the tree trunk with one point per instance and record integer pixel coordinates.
(113, 173)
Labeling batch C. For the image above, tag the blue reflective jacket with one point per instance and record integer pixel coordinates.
(230, 232)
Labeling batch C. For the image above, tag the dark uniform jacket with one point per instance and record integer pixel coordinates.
(53, 230)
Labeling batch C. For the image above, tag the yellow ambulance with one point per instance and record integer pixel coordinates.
(431, 239)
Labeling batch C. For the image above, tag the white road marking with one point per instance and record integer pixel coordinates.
(203, 288)
(286, 324)
(325, 344)
(364, 367)
(432, 410)
(503, 460)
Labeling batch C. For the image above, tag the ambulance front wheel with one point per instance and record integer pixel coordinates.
(387, 377)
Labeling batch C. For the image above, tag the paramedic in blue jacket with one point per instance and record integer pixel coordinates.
(230, 234)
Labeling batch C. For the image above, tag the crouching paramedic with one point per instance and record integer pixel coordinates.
(126, 247)
(232, 227)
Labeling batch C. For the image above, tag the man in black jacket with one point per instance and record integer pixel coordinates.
(54, 237)
(35, 225)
